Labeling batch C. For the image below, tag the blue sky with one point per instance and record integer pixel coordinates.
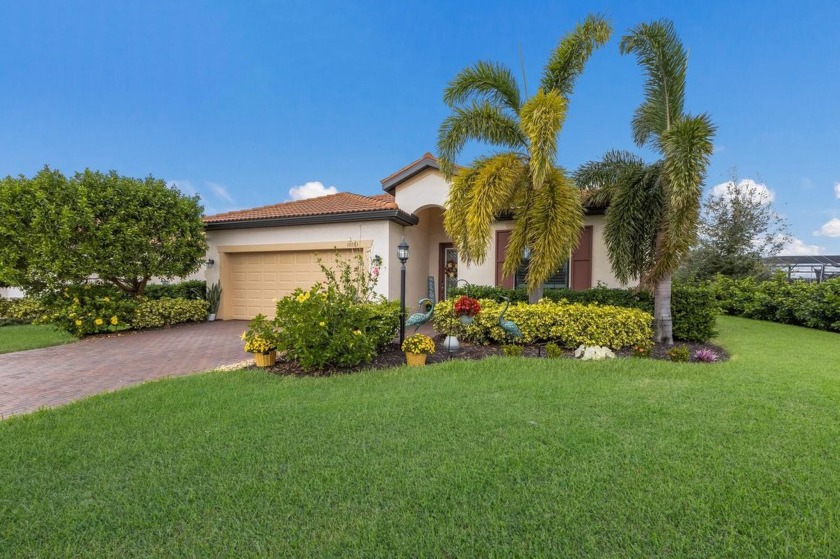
(243, 101)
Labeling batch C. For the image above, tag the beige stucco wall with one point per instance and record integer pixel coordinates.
(429, 188)
(303, 237)
(485, 273)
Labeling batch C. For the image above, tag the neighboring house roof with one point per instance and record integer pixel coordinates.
(333, 208)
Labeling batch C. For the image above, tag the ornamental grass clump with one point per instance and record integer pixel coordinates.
(705, 355)
(418, 344)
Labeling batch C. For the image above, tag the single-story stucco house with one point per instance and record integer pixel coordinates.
(264, 253)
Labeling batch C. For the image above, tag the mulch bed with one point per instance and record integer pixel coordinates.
(392, 356)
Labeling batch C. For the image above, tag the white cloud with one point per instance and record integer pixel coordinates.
(220, 191)
(312, 189)
(829, 229)
(756, 190)
(837, 190)
(796, 247)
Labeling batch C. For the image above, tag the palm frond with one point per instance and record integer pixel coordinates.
(659, 51)
(484, 81)
(477, 194)
(688, 149)
(633, 220)
(600, 178)
(541, 119)
(493, 188)
(572, 53)
(553, 229)
(481, 121)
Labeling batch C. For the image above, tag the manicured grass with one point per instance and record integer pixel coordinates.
(506, 457)
(30, 336)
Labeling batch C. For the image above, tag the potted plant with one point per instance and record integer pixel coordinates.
(213, 296)
(261, 340)
(466, 308)
(417, 348)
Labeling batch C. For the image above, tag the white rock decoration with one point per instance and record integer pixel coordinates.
(593, 353)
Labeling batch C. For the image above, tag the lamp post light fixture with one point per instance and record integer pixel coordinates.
(402, 254)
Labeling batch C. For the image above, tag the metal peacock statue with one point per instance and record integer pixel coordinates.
(418, 319)
(508, 326)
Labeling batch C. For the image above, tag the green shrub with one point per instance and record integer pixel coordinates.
(553, 351)
(383, 323)
(323, 328)
(156, 313)
(814, 305)
(22, 310)
(602, 295)
(192, 289)
(678, 354)
(569, 325)
(512, 350)
(694, 311)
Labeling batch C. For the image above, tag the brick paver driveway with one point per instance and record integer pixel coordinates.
(57, 375)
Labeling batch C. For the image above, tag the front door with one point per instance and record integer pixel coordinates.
(448, 270)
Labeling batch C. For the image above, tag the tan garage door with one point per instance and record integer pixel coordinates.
(257, 278)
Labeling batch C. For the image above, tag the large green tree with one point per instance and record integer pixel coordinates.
(653, 210)
(488, 106)
(56, 230)
(739, 229)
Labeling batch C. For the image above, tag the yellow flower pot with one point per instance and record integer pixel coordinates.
(265, 359)
(415, 359)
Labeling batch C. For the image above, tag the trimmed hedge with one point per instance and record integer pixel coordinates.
(569, 325)
(814, 305)
(156, 313)
(693, 308)
(193, 289)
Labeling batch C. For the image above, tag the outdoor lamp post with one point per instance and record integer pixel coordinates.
(402, 254)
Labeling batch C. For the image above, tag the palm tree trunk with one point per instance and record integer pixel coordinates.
(535, 295)
(663, 331)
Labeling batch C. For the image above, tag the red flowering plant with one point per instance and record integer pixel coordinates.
(467, 306)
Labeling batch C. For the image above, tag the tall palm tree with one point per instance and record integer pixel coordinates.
(653, 209)
(523, 178)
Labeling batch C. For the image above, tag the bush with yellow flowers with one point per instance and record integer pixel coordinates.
(326, 327)
(88, 308)
(568, 325)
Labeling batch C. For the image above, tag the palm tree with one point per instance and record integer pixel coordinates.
(653, 209)
(523, 178)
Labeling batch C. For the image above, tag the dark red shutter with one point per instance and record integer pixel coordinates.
(582, 261)
(502, 239)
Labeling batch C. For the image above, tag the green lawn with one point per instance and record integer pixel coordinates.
(506, 457)
(29, 336)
